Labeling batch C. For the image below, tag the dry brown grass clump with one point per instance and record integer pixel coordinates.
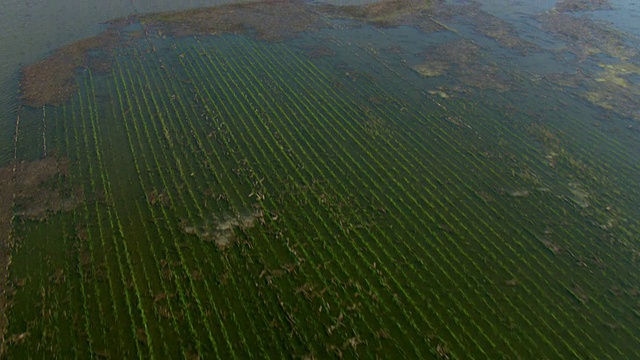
(51, 80)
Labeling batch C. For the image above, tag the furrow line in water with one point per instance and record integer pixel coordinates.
(133, 118)
(247, 113)
(369, 232)
(459, 221)
(202, 148)
(479, 219)
(154, 217)
(69, 244)
(170, 135)
(94, 238)
(86, 118)
(316, 211)
(383, 247)
(145, 336)
(44, 131)
(329, 169)
(238, 116)
(464, 253)
(222, 103)
(16, 136)
(174, 203)
(520, 232)
(119, 81)
(481, 314)
(587, 285)
(193, 132)
(173, 135)
(55, 305)
(79, 237)
(254, 140)
(114, 218)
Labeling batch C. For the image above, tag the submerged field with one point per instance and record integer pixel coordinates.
(337, 193)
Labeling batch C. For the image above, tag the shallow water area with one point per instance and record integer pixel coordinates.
(442, 179)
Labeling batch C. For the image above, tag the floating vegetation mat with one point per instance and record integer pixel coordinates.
(289, 179)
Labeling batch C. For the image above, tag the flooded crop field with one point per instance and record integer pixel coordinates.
(290, 179)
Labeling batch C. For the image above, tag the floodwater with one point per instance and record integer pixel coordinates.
(32, 29)
(388, 179)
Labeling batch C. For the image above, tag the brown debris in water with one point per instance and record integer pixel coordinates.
(582, 5)
(268, 20)
(611, 88)
(37, 191)
(52, 80)
(503, 32)
(391, 13)
(586, 37)
(6, 199)
(223, 233)
(29, 188)
(462, 60)
(448, 58)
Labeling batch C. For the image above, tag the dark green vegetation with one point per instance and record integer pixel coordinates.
(317, 197)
